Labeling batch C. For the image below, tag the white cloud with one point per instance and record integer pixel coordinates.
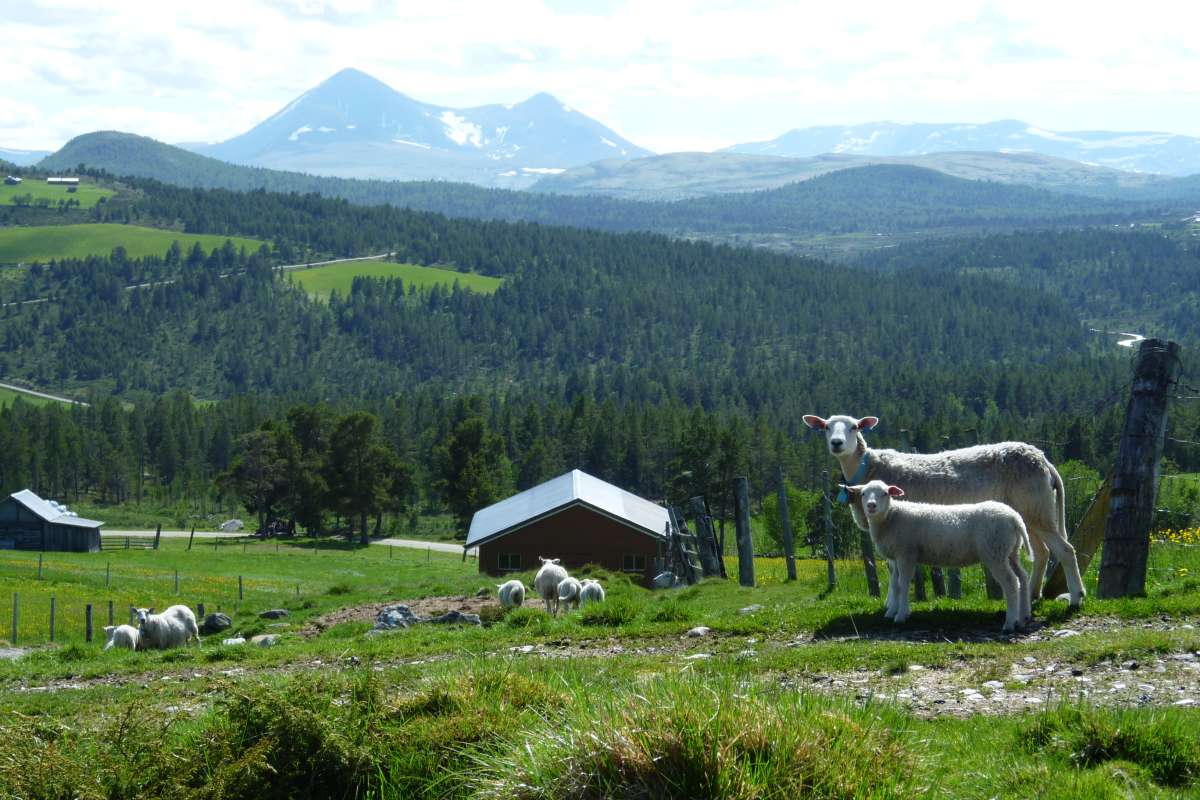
(670, 75)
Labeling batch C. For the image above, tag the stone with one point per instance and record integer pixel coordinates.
(454, 618)
(1187, 701)
(234, 640)
(232, 525)
(1130, 665)
(397, 616)
(1065, 633)
(215, 623)
(750, 609)
(993, 684)
(698, 631)
(701, 656)
(265, 640)
(273, 613)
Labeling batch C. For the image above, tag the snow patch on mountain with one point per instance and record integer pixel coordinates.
(411, 143)
(296, 134)
(459, 131)
(542, 170)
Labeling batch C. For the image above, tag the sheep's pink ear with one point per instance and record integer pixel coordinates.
(895, 491)
(815, 422)
(867, 423)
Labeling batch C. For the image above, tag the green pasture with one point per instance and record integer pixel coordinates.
(8, 396)
(88, 194)
(43, 243)
(322, 281)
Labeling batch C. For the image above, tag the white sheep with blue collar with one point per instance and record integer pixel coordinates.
(1013, 473)
(987, 533)
(175, 627)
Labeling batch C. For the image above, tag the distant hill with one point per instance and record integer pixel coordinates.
(679, 175)
(355, 126)
(1136, 151)
(22, 158)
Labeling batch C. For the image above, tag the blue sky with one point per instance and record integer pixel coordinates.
(669, 75)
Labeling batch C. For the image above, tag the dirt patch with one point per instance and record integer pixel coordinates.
(424, 607)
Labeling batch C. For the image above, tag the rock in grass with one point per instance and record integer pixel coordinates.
(215, 623)
(274, 613)
(750, 609)
(234, 640)
(265, 640)
(698, 631)
(455, 618)
(393, 617)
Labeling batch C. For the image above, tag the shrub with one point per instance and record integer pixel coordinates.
(614, 612)
(526, 617)
(339, 588)
(669, 611)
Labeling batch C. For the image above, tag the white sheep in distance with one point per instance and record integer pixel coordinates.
(512, 594)
(990, 533)
(175, 627)
(546, 582)
(1014, 473)
(125, 636)
(569, 591)
(590, 592)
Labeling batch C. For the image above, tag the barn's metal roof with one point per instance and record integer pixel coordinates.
(573, 488)
(51, 514)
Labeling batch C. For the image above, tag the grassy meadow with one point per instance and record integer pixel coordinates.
(611, 701)
(322, 281)
(8, 396)
(88, 194)
(43, 243)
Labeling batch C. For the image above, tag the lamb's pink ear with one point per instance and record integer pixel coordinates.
(815, 422)
(867, 423)
(895, 491)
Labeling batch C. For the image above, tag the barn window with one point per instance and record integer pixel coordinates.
(509, 562)
(633, 562)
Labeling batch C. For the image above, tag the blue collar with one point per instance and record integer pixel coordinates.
(859, 474)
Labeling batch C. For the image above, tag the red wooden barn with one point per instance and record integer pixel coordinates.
(575, 517)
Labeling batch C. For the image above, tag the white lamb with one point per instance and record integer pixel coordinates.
(125, 636)
(1013, 473)
(175, 627)
(591, 592)
(546, 582)
(569, 591)
(512, 594)
(990, 533)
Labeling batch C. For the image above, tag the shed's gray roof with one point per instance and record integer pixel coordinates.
(51, 514)
(573, 488)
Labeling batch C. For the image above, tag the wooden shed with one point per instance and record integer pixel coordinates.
(575, 517)
(27, 522)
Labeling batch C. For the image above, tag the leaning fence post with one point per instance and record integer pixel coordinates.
(239, 587)
(110, 612)
(785, 522)
(53, 605)
(741, 502)
(157, 535)
(107, 575)
(87, 622)
(191, 537)
(1135, 479)
(829, 547)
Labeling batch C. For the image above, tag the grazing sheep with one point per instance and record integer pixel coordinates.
(591, 592)
(512, 594)
(125, 636)
(175, 627)
(546, 582)
(990, 533)
(1013, 473)
(569, 591)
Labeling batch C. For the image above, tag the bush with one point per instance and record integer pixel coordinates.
(526, 617)
(668, 611)
(339, 589)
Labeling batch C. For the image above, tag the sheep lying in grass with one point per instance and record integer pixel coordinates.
(546, 582)
(569, 591)
(591, 592)
(125, 636)
(990, 533)
(1013, 473)
(175, 627)
(512, 594)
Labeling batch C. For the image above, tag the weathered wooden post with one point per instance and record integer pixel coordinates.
(191, 536)
(157, 535)
(1135, 479)
(200, 610)
(239, 587)
(107, 576)
(868, 556)
(741, 502)
(710, 559)
(919, 583)
(111, 618)
(955, 583)
(785, 521)
(938, 581)
(87, 622)
(994, 592)
(832, 575)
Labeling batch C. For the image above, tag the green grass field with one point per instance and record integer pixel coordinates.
(321, 281)
(88, 194)
(28, 244)
(7, 396)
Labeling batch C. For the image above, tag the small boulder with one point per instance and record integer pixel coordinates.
(750, 609)
(393, 617)
(232, 525)
(274, 613)
(265, 640)
(234, 640)
(698, 631)
(215, 623)
(455, 618)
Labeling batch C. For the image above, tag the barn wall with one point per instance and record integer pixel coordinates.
(21, 529)
(576, 535)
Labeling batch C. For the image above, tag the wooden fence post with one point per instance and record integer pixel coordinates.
(87, 623)
(994, 592)
(955, 583)
(239, 587)
(745, 546)
(789, 552)
(710, 559)
(868, 556)
(157, 535)
(110, 612)
(191, 536)
(831, 577)
(1135, 480)
(919, 583)
(132, 616)
(938, 581)
(200, 608)
(107, 576)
